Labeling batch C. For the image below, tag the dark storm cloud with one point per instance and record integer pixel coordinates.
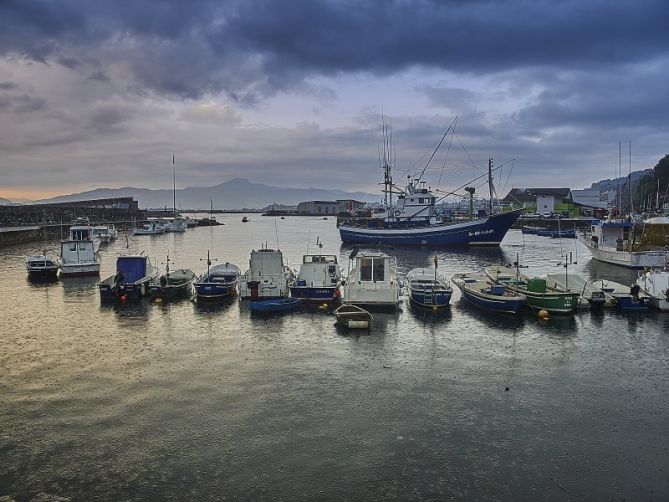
(251, 49)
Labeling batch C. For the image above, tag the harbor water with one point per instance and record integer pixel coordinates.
(187, 401)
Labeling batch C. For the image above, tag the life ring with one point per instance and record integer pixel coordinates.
(398, 212)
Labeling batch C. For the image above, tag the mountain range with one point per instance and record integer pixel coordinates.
(232, 194)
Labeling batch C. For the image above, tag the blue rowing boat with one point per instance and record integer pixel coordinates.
(276, 305)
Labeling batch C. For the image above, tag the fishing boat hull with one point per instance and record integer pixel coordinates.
(477, 291)
(538, 295)
(629, 303)
(560, 303)
(274, 306)
(430, 299)
(500, 304)
(80, 269)
(133, 291)
(315, 294)
(215, 290)
(641, 259)
(487, 231)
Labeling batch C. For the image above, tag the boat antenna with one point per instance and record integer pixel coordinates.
(174, 187)
(209, 260)
(566, 264)
(276, 231)
(308, 241)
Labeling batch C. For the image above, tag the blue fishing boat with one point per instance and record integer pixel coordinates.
(412, 221)
(220, 281)
(276, 305)
(133, 278)
(477, 290)
(624, 298)
(427, 288)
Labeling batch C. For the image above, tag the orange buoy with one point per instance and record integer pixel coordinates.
(543, 314)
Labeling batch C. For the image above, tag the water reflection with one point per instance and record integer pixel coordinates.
(80, 285)
(136, 310)
(40, 281)
(493, 320)
(214, 307)
(427, 316)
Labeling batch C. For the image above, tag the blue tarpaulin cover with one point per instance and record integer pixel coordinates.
(133, 268)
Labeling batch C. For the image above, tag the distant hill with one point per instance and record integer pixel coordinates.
(6, 202)
(233, 194)
(613, 184)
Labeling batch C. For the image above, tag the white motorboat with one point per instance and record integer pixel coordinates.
(267, 277)
(78, 254)
(152, 227)
(319, 278)
(105, 233)
(655, 284)
(372, 281)
(176, 224)
(42, 266)
(613, 241)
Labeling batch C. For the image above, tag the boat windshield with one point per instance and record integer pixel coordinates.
(372, 269)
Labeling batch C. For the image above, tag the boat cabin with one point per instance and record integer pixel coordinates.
(81, 233)
(612, 234)
(373, 280)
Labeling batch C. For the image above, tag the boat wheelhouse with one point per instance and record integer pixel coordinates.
(78, 254)
(319, 278)
(655, 284)
(267, 277)
(372, 281)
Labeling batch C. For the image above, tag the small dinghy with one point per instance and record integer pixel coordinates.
(352, 316)
(276, 305)
(42, 267)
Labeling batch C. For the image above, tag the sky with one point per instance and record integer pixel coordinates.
(292, 93)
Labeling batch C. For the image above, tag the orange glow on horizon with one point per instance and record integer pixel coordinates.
(33, 193)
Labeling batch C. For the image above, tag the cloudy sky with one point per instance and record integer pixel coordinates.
(100, 93)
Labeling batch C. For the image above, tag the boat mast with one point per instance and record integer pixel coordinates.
(490, 182)
(174, 188)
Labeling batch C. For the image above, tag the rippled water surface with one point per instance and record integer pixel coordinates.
(181, 401)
